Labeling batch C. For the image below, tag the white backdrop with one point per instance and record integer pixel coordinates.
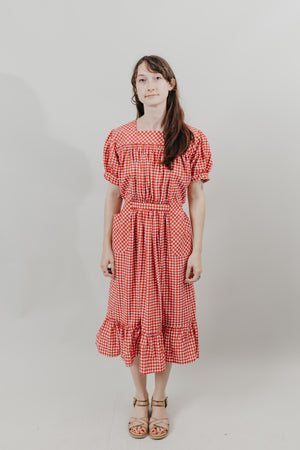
(64, 84)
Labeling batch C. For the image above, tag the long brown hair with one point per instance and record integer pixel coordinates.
(177, 135)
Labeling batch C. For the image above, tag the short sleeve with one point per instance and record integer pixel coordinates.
(201, 160)
(111, 160)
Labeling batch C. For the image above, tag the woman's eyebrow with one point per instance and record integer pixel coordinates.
(142, 75)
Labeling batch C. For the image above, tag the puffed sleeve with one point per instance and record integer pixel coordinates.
(201, 159)
(110, 159)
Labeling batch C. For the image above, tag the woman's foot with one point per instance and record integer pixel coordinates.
(140, 411)
(159, 413)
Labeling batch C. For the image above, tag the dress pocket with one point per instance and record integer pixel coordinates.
(121, 232)
(181, 233)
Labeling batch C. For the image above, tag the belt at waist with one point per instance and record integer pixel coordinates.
(148, 205)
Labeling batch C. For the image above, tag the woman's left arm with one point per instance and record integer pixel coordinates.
(196, 200)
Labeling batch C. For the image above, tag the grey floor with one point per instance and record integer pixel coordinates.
(68, 397)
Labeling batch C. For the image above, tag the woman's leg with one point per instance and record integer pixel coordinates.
(140, 382)
(161, 380)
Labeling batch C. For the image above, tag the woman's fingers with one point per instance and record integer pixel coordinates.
(191, 275)
(112, 269)
(108, 267)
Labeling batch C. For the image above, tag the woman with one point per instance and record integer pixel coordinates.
(152, 247)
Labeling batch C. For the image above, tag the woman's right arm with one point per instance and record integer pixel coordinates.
(113, 203)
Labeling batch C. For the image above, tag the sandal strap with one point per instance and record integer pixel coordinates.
(135, 421)
(159, 402)
(155, 422)
(137, 402)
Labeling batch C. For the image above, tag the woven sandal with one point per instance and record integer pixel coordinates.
(142, 421)
(156, 422)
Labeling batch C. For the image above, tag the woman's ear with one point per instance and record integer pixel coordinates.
(172, 83)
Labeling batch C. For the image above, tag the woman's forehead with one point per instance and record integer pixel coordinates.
(145, 72)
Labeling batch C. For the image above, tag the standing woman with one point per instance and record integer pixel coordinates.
(152, 246)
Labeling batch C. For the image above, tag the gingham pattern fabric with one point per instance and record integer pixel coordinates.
(151, 310)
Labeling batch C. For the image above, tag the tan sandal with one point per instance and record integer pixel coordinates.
(156, 422)
(142, 421)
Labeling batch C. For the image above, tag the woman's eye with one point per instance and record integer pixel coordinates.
(143, 79)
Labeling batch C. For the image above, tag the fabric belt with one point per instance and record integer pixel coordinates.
(149, 205)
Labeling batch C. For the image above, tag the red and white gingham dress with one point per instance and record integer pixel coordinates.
(151, 310)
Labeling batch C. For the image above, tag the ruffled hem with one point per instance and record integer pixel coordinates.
(175, 345)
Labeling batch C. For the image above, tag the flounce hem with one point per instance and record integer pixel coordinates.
(171, 344)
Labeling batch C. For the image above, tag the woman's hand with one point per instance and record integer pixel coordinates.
(107, 259)
(193, 268)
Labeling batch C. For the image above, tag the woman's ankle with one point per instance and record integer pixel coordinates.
(158, 395)
(143, 395)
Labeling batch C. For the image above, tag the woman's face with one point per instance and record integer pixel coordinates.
(152, 88)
